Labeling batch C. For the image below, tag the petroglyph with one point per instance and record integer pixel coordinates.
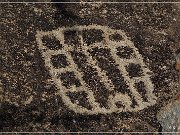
(96, 69)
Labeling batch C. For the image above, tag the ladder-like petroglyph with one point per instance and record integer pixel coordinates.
(96, 69)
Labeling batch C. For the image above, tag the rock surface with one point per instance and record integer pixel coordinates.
(169, 117)
(30, 99)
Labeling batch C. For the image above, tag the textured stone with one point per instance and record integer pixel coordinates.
(29, 99)
(169, 117)
(178, 62)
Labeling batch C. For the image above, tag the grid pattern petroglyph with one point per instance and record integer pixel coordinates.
(115, 49)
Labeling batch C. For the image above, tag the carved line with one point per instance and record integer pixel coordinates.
(73, 67)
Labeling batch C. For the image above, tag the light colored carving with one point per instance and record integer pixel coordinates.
(72, 67)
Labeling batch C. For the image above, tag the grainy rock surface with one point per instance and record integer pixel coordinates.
(169, 117)
(30, 99)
